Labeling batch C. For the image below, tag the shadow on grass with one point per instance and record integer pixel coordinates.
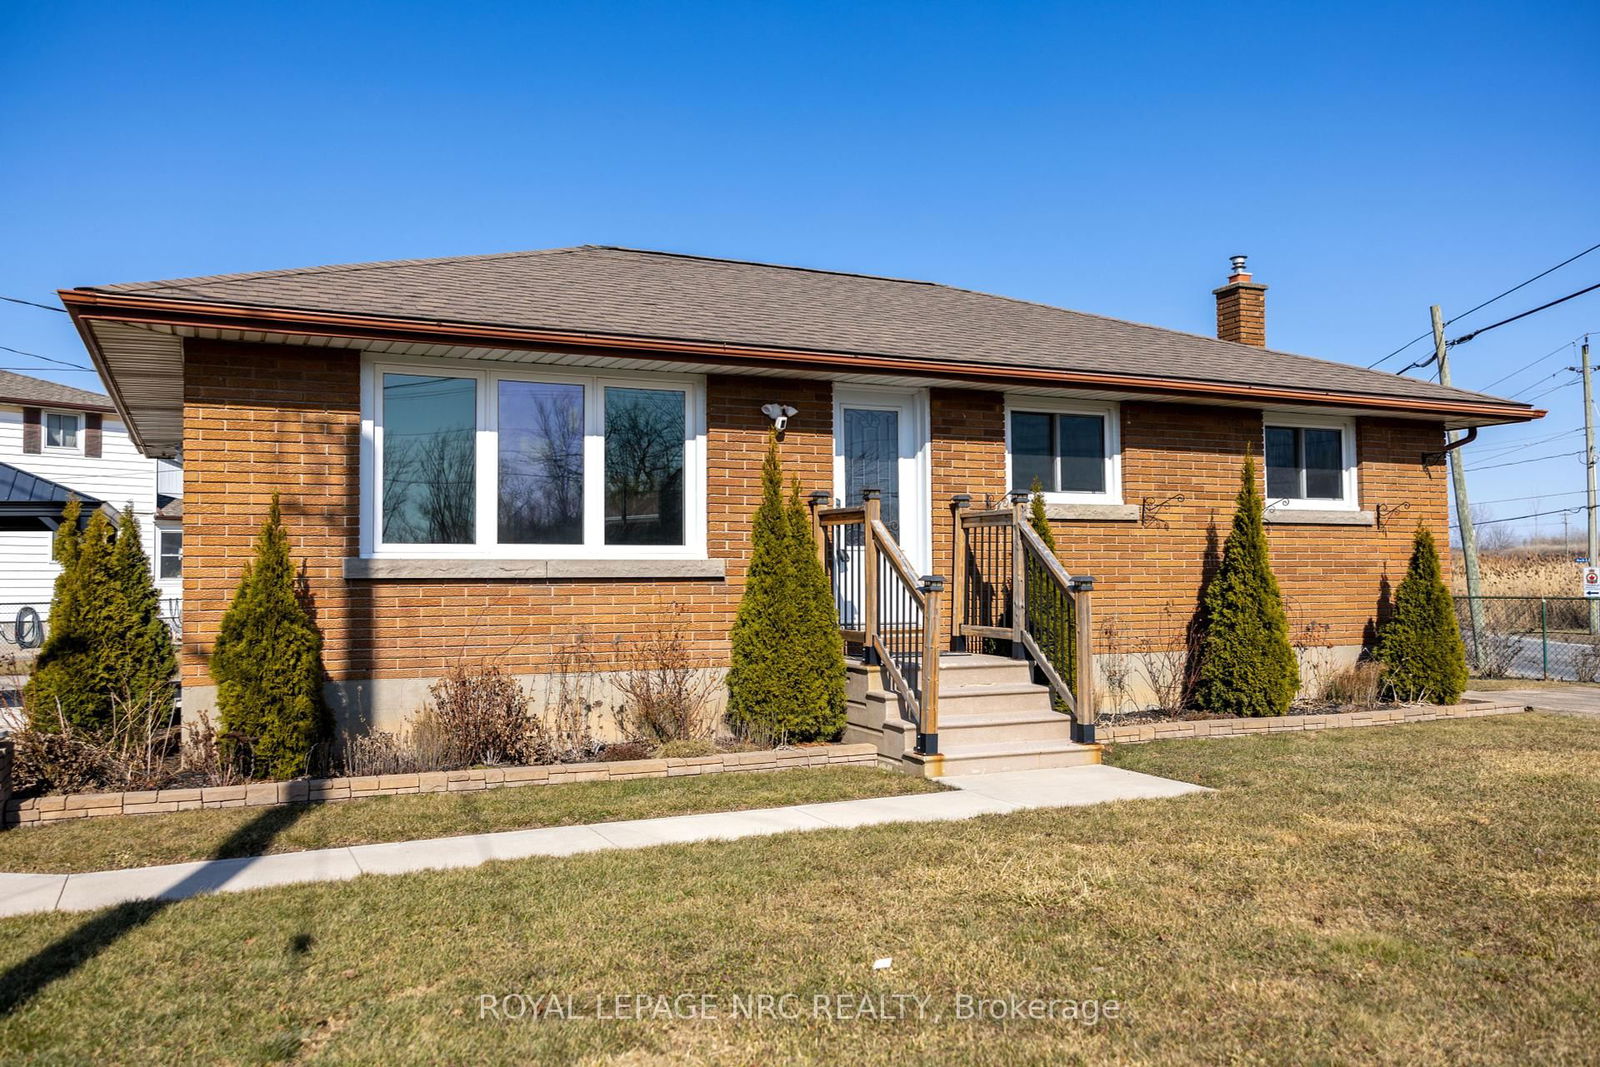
(24, 981)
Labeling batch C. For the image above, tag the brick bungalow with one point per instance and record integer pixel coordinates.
(497, 455)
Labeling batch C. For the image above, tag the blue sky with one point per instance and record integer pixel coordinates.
(1371, 160)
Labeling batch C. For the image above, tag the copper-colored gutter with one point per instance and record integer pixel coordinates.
(89, 305)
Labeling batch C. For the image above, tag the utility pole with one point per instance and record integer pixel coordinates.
(1588, 461)
(1458, 479)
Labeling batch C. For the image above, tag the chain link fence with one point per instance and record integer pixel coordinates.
(1555, 638)
(24, 626)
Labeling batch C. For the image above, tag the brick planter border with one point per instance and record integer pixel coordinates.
(38, 811)
(1134, 733)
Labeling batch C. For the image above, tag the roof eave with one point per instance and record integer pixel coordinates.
(87, 305)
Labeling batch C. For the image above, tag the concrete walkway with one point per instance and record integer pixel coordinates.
(983, 794)
(1564, 700)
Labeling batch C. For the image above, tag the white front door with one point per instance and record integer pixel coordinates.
(880, 441)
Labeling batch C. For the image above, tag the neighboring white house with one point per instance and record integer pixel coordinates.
(56, 440)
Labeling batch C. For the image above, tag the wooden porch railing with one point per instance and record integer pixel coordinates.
(884, 606)
(1008, 586)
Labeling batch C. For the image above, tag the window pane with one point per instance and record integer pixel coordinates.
(872, 460)
(1032, 453)
(645, 432)
(429, 459)
(61, 431)
(1283, 464)
(541, 464)
(171, 553)
(1324, 464)
(1083, 453)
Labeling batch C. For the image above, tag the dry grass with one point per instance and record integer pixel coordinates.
(1426, 894)
(145, 840)
(1519, 573)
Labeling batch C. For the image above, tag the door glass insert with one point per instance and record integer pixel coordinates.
(872, 460)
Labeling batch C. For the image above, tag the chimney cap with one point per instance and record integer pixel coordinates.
(1238, 264)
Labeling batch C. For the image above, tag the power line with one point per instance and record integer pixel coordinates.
(1534, 459)
(1506, 450)
(74, 370)
(1530, 515)
(1535, 496)
(1529, 366)
(1464, 338)
(1547, 392)
(1535, 384)
(32, 304)
(47, 359)
(1485, 304)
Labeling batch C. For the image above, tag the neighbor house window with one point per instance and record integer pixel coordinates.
(1069, 451)
(61, 430)
(170, 553)
(1310, 463)
(528, 464)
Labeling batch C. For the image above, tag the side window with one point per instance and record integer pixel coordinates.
(61, 430)
(170, 554)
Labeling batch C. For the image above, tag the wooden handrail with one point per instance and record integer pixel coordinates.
(897, 559)
(1042, 553)
(920, 702)
(1025, 544)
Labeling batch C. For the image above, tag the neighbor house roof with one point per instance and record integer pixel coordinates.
(24, 495)
(21, 389)
(756, 313)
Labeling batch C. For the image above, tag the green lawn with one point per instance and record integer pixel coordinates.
(144, 840)
(1425, 894)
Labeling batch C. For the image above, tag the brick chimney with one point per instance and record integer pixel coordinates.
(1242, 308)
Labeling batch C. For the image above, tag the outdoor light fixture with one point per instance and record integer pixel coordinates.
(779, 414)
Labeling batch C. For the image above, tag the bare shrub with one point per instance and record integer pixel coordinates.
(482, 715)
(1316, 658)
(627, 750)
(1116, 668)
(687, 749)
(1162, 663)
(1492, 651)
(666, 690)
(379, 752)
(135, 750)
(564, 732)
(1586, 666)
(1357, 685)
(200, 755)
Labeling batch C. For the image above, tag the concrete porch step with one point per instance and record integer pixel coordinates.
(960, 669)
(1004, 756)
(994, 697)
(957, 733)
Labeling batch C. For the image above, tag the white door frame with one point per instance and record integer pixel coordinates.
(916, 480)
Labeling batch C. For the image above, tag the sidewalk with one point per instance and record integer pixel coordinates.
(1564, 700)
(983, 794)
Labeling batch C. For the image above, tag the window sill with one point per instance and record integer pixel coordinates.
(1307, 517)
(535, 570)
(1091, 512)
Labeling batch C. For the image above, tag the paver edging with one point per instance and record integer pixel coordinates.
(38, 811)
(1182, 729)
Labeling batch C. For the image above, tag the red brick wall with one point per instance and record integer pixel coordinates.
(1148, 573)
(261, 418)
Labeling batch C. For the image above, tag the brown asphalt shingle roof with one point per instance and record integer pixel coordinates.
(21, 389)
(618, 291)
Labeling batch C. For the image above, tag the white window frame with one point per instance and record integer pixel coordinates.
(1111, 419)
(486, 514)
(162, 533)
(1350, 483)
(77, 435)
